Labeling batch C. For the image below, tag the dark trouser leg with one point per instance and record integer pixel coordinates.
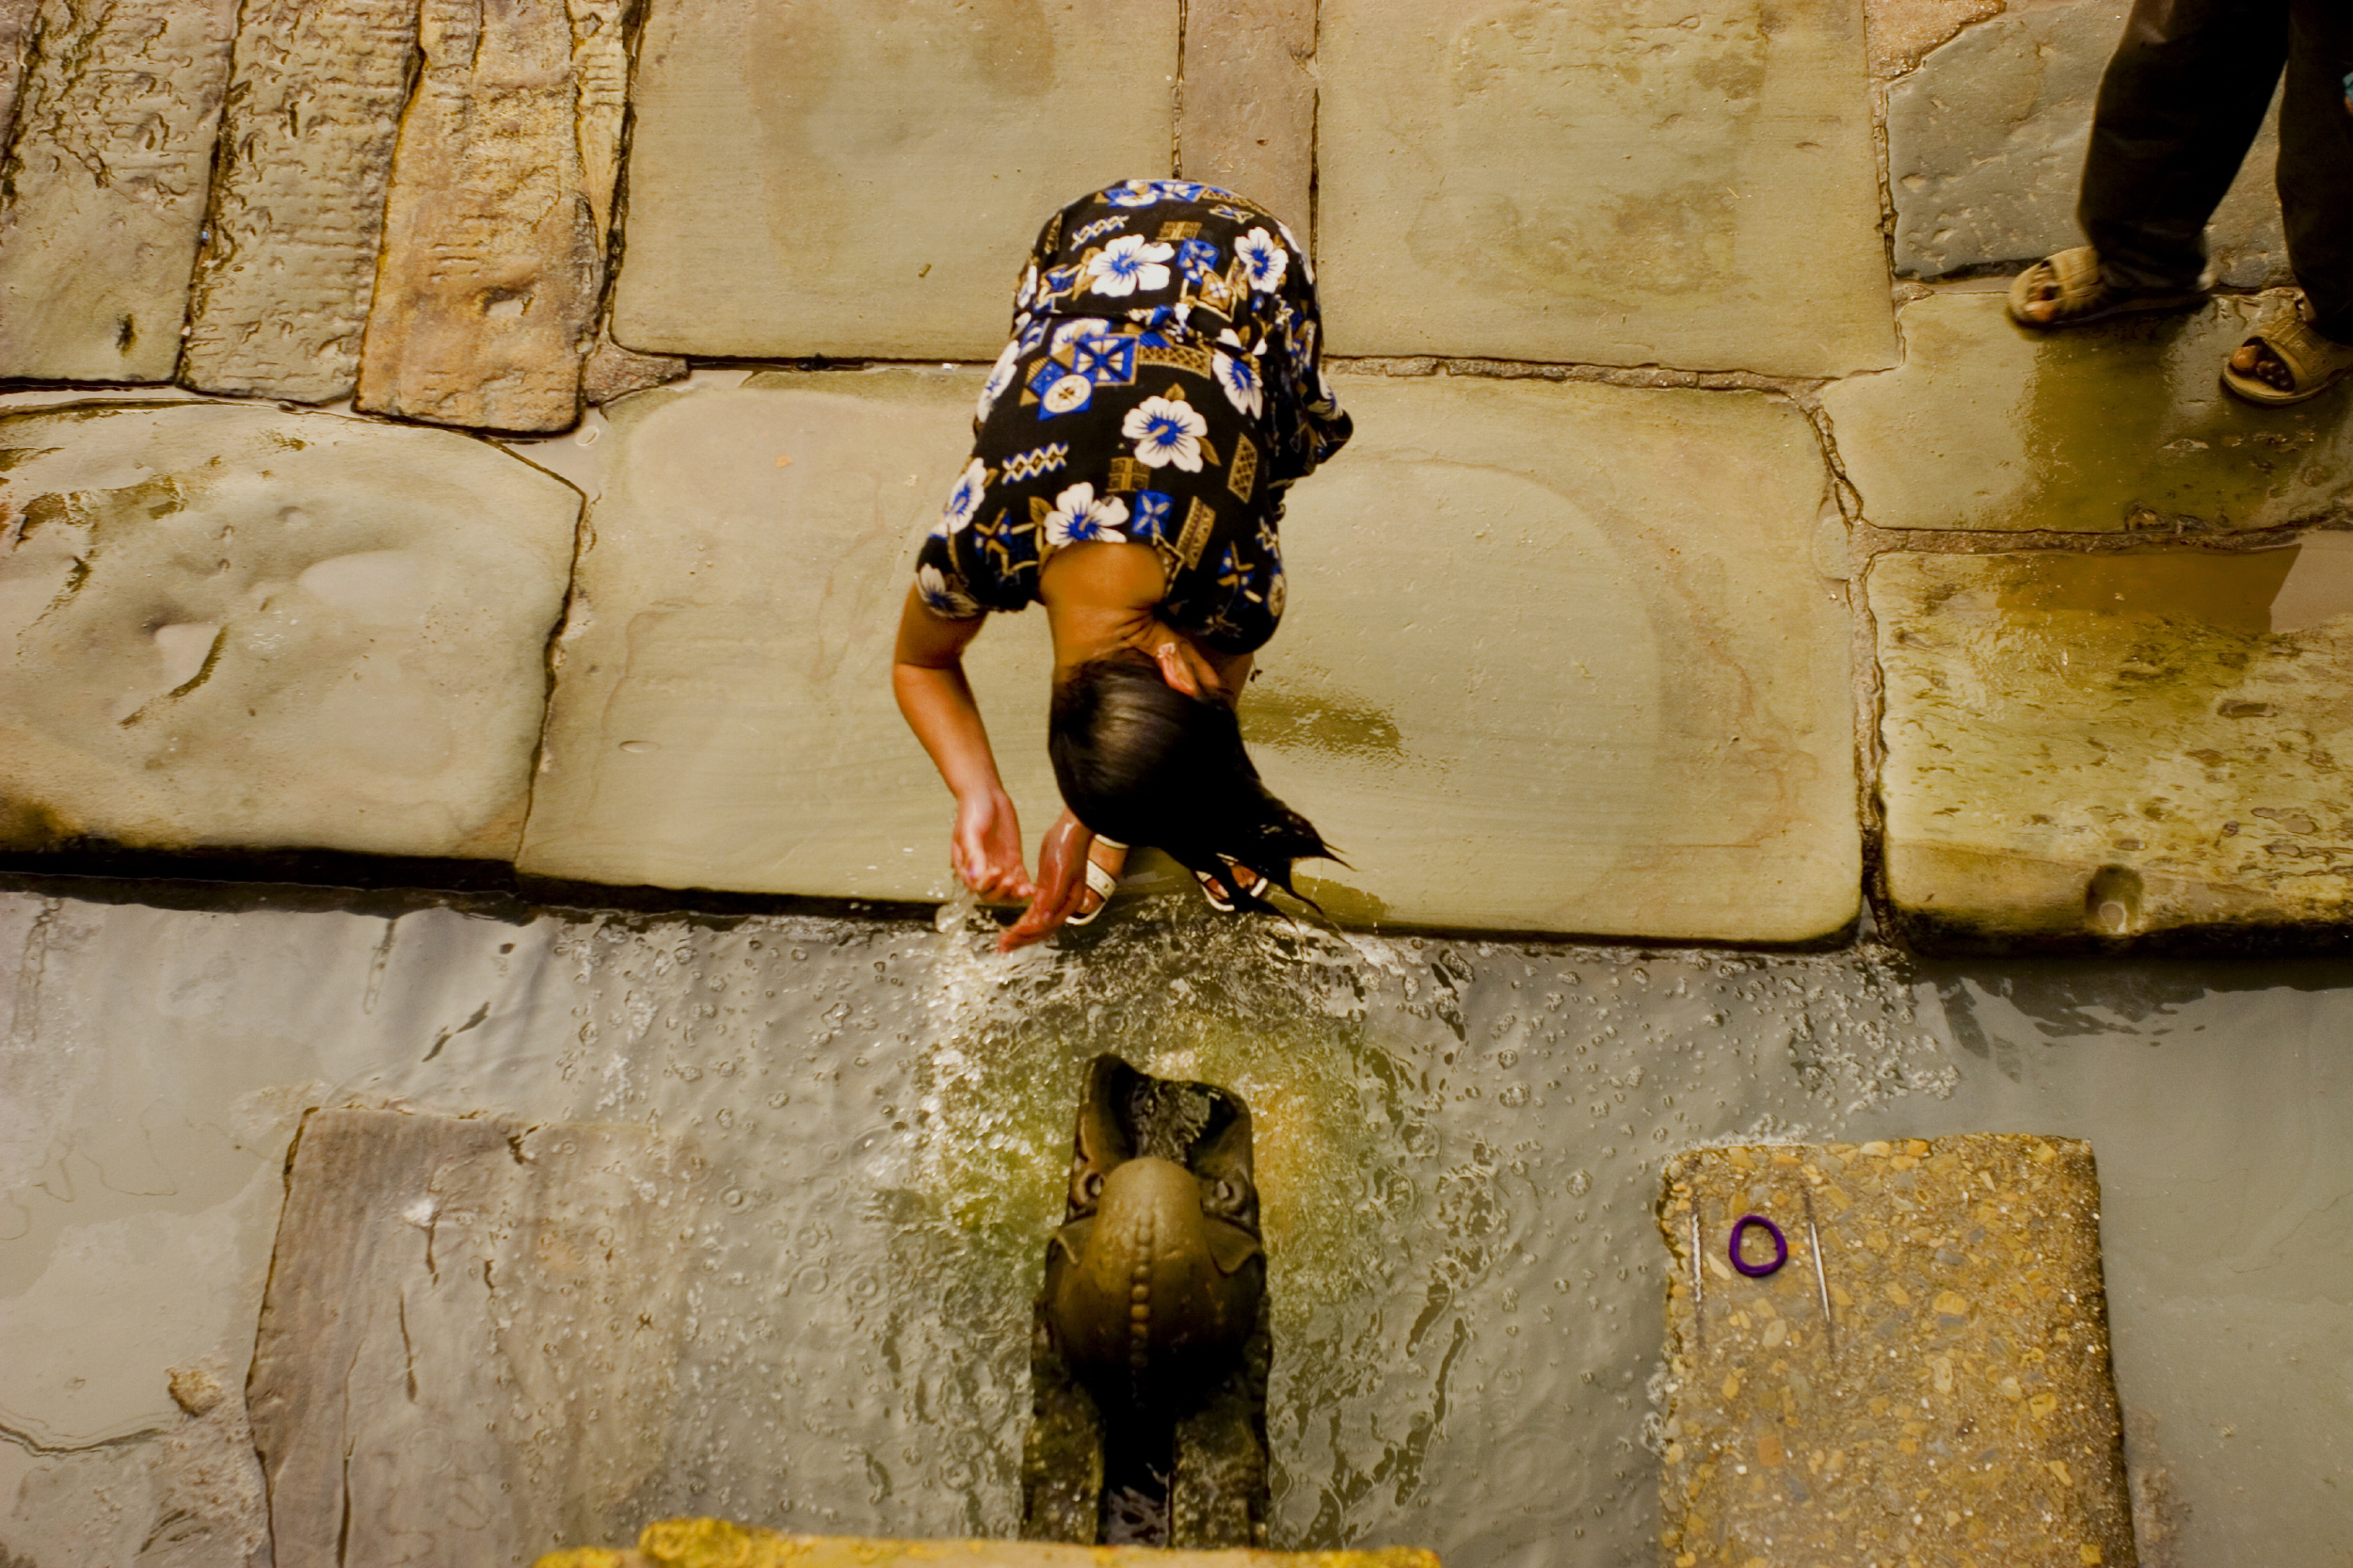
(2316, 163)
(2183, 98)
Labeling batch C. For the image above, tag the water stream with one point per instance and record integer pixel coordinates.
(1458, 1151)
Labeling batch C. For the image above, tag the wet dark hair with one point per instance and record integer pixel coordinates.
(1142, 762)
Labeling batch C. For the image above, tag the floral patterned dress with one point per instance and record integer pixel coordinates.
(1162, 387)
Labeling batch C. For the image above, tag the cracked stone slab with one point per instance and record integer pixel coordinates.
(2086, 748)
(108, 173)
(723, 718)
(283, 281)
(2122, 426)
(835, 178)
(722, 715)
(1985, 150)
(1903, 30)
(16, 40)
(1924, 1378)
(1247, 120)
(495, 227)
(467, 1348)
(1621, 185)
(234, 626)
(720, 1544)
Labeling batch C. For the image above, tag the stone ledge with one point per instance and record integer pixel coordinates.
(718, 1544)
(2084, 750)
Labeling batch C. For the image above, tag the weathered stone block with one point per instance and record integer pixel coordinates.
(1248, 118)
(722, 715)
(1924, 1378)
(1677, 765)
(495, 230)
(16, 40)
(1627, 185)
(2089, 748)
(1676, 762)
(237, 626)
(840, 179)
(1985, 149)
(2123, 425)
(468, 1353)
(1903, 30)
(289, 259)
(107, 178)
(718, 1544)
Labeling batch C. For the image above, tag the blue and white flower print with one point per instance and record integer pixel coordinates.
(1307, 265)
(1067, 394)
(964, 500)
(1132, 193)
(1153, 512)
(943, 598)
(1239, 380)
(1078, 517)
(1000, 375)
(1263, 256)
(1079, 327)
(1128, 263)
(1165, 431)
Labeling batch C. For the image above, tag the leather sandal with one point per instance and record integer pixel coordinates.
(2083, 294)
(1102, 884)
(2313, 363)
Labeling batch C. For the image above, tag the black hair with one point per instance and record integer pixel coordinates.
(1142, 762)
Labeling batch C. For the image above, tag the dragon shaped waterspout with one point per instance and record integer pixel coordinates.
(1150, 1354)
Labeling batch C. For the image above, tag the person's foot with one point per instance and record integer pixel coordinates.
(1105, 862)
(2069, 289)
(1239, 878)
(2285, 361)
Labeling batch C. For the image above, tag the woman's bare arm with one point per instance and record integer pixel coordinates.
(928, 677)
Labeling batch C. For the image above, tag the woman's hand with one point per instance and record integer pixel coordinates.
(986, 848)
(1062, 883)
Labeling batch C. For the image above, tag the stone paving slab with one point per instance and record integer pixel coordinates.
(2086, 748)
(495, 224)
(1902, 31)
(1985, 149)
(2123, 425)
(718, 1543)
(1591, 682)
(835, 178)
(288, 266)
(467, 1348)
(1925, 1377)
(108, 169)
(230, 625)
(1248, 118)
(1627, 185)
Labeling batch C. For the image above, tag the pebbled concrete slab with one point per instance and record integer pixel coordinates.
(109, 170)
(2120, 426)
(841, 180)
(1985, 150)
(297, 213)
(228, 625)
(408, 1395)
(1626, 185)
(1676, 764)
(1924, 1378)
(2083, 749)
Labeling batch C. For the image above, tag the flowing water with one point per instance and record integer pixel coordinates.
(1458, 1151)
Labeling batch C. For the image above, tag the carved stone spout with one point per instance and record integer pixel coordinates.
(1149, 1364)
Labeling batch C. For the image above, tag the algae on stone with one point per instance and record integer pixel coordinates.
(235, 626)
(109, 170)
(1635, 184)
(1924, 1378)
(840, 179)
(2085, 748)
(1986, 140)
(2119, 427)
(297, 213)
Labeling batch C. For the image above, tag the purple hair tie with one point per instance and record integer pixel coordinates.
(1781, 1247)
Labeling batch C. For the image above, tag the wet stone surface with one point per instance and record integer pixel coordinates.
(1923, 1379)
(718, 1543)
(228, 625)
(1985, 149)
(832, 179)
(2120, 426)
(1625, 186)
(2088, 748)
